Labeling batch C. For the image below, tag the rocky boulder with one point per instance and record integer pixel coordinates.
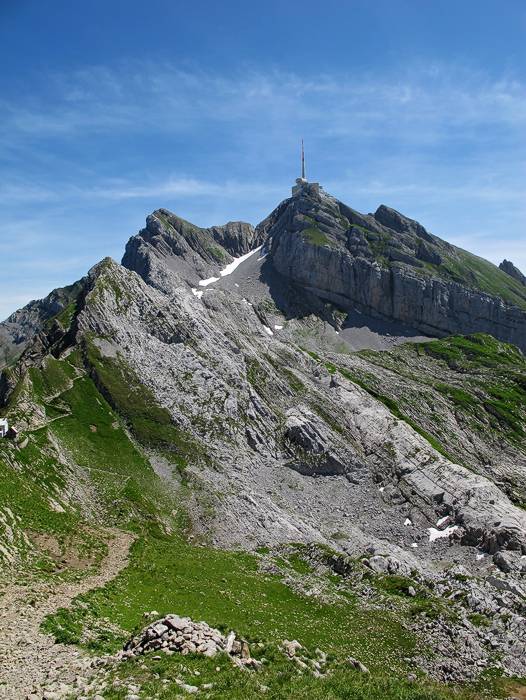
(314, 449)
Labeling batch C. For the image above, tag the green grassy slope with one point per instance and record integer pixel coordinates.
(75, 465)
(480, 377)
(227, 590)
(477, 273)
(457, 265)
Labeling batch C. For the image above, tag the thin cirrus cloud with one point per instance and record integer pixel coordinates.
(443, 143)
(139, 96)
(125, 190)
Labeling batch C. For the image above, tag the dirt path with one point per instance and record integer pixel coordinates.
(31, 665)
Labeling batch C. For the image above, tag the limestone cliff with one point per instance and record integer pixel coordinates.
(389, 265)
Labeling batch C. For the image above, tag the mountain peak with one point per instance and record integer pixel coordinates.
(212, 380)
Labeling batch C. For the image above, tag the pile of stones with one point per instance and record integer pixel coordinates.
(174, 634)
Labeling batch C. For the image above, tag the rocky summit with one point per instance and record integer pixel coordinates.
(314, 429)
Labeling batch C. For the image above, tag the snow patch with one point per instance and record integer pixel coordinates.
(407, 521)
(480, 556)
(267, 330)
(435, 534)
(414, 545)
(278, 328)
(229, 269)
(197, 293)
(210, 280)
(442, 520)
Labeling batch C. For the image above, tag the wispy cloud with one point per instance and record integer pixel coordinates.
(86, 158)
(117, 190)
(145, 95)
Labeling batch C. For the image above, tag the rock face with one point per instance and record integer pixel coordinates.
(509, 268)
(389, 265)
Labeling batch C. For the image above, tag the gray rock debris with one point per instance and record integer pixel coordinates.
(387, 565)
(355, 663)
(316, 666)
(173, 633)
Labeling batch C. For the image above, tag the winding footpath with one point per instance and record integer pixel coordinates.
(32, 665)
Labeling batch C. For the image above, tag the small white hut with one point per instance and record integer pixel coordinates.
(4, 427)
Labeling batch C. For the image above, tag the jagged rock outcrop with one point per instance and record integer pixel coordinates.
(509, 268)
(315, 449)
(389, 265)
(434, 485)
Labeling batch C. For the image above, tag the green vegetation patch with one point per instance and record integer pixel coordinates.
(378, 243)
(279, 680)
(422, 602)
(459, 397)
(32, 481)
(497, 387)
(472, 351)
(480, 274)
(111, 469)
(97, 441)
(257, 375)
(52, 378)
(314, 236)
(228, 591)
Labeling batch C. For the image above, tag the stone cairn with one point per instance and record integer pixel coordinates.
(173, 634)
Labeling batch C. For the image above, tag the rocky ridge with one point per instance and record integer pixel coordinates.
(23, 325)
(509, 268)
(170, 250)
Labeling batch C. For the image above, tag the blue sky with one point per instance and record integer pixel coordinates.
(110, 109)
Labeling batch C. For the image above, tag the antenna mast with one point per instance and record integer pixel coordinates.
(302, 161)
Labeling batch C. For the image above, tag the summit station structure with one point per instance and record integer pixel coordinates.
(302, 182)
